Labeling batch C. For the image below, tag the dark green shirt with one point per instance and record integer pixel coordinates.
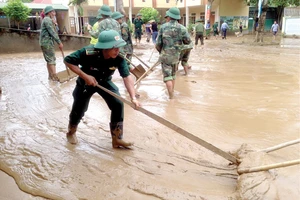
(138, 23)
(93, 63)
(199, 28)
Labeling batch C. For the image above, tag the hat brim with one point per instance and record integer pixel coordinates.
(119, 16)
(49, 11)
(105, 13)
(110, 45)
(169, 14)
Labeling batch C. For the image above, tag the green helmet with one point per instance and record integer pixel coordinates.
(173, 13)
(117, 15)
(139, 14)
(105, 10)
(99, 16)
(48, 9)
(109, 39)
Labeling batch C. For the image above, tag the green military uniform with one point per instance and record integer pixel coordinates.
(171, 37)
(93, 63)
(199, 29)
(215, 29)
(138, 27)
(47, 37)
(126, 35)
(107, 23)
(185, 52)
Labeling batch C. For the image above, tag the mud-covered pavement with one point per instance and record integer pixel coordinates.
(235, 93)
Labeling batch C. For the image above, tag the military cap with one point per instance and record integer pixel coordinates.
(109, 39)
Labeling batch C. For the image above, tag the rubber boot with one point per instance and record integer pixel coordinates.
(116, 130)
(71, 134)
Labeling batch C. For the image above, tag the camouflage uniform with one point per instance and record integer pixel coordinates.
(171, 37)
(185, 52)
(47, 37)
(106, 24)
(126, 35)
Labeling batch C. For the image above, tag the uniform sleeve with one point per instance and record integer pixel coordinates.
(123, 68)
(76, 57)
(50, 29)
(159, 41)
(124, 32)
(186, 39)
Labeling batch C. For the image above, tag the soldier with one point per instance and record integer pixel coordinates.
(94, 28)
(170, 39)
(138, 23)
(185, 55)
(47, 37)
(199, 29)
(98, 63)
(126, 36)
(107, 23)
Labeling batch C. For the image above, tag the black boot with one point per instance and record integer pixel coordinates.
(116, 130)
(71, 134)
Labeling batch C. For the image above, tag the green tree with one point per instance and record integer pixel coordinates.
(17, 11)
(281, 4)
(149, 14)
(78, 10)
(27, 1)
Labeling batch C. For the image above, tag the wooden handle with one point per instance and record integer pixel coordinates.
(280, 146)
(172, 126)
(145, 74)
(124, 56)
(141, 60)
(267, 167)
(63, 55)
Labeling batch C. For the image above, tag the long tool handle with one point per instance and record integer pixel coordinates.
(63, 55)
(141, 60)
(267, 167)
(172, 126)
(280, 146)
(124, 56)
(145, 74)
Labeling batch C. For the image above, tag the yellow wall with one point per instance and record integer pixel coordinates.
(164, 4)
(141, 4)
(233, 8)
(95, 2)
(193, 2)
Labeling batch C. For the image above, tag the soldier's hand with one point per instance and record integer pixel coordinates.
(90, 80)
(60, 46)
(136, 103)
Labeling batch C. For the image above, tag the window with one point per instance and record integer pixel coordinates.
(167, 1)
(143, 0)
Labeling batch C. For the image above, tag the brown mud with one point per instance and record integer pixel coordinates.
(235, 93)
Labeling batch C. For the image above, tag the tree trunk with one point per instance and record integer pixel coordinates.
(76, 19)
(261, 23)
(120, 7)
(280, 10)
(18, 25)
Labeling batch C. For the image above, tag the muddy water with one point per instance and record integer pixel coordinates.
(235, 93)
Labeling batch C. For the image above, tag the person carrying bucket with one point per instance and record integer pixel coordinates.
(98, 64)
(47, 37)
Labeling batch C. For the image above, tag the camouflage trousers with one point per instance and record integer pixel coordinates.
(169, 71)
(49, 54)
(129, 57)
(184, 57)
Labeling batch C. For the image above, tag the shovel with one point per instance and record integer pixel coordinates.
(138, 70)
(65, 75)
(174, 127)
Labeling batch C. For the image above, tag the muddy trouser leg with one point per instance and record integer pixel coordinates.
(117, 114)
(201, 38)
(81, 97)
(196, 39)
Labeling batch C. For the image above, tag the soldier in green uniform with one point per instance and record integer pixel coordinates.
(171, 37)
(107, 23)
(94, 28)
(47, 37)
(138, 22)
(216, 29)
(199, 29)
(98, 63)
(126, 36)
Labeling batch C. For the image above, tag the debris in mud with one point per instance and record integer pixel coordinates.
(0, 90)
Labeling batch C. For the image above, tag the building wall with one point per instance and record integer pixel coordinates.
(233, 8)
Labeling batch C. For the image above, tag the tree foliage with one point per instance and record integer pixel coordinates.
(78, 3)
(17, 11)
(149, 14)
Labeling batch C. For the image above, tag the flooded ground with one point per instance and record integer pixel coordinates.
(236, 93)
